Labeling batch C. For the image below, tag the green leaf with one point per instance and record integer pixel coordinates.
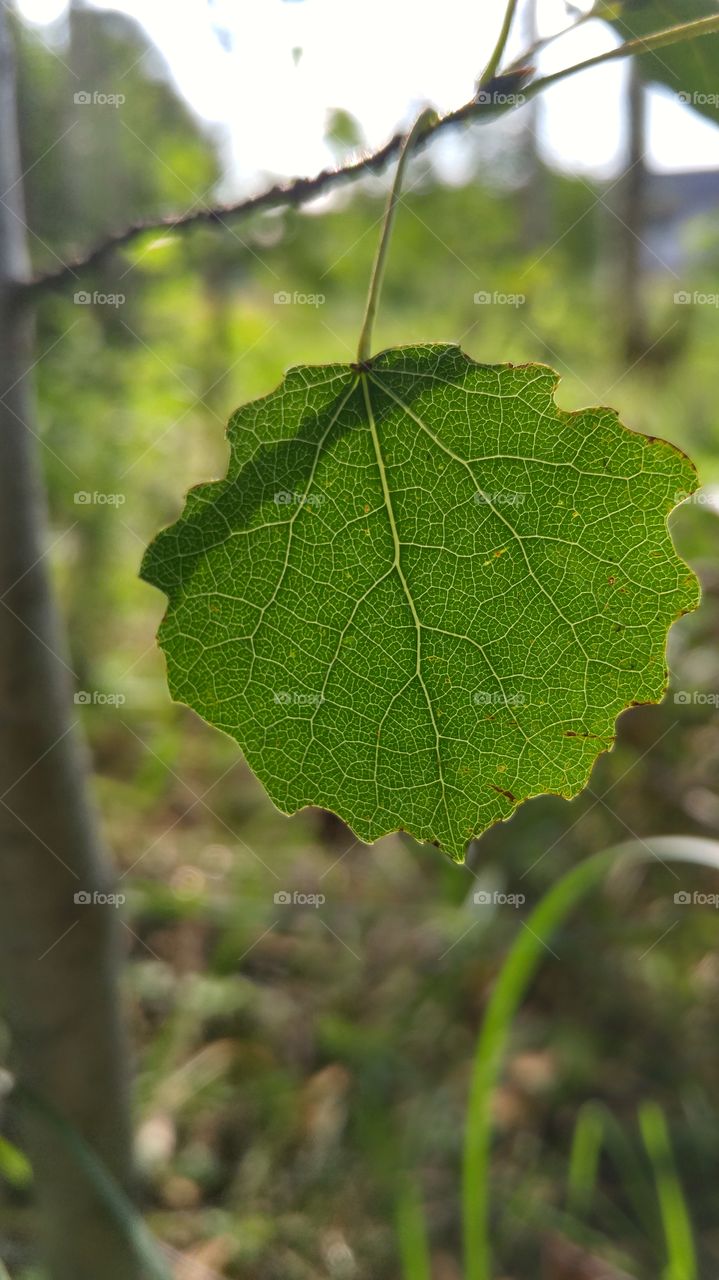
(688, 68)
(423, 592)
(343, 132)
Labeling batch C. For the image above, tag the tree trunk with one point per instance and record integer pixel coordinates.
(536, 221)
(631, 231)
(58, 956)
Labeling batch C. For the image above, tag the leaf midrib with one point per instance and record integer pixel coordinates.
(397, 565)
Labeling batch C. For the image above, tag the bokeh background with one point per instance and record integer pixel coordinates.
(295, 1062)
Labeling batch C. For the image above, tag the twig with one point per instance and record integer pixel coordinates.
(283, 194)
(639, 45)
(300, 190)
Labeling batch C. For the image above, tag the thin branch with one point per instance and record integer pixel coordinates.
(639, 45)
(543, 42)
(300, 190)
(281, 195)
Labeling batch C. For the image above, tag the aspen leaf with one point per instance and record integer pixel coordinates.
(423, 593)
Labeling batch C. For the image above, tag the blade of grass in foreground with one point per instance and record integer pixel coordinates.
(587, 1143)
(637, 1185)
(596, 1125)
(412, 1234)
(515, 976)
(681, 1258)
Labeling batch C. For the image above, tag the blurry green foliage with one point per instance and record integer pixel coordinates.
(103, 165)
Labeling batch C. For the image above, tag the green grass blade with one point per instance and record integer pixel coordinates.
(638, 1187)
(587, 1143)
(596, 1130)
(678, 1235)
(515, 976)
(412, 1233)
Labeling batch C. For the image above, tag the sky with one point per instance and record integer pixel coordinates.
(237, 63)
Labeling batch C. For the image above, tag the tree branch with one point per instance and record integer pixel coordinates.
(283, 194)
(491, 102)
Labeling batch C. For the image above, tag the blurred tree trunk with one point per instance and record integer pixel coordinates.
(632, 212)
(58, 957)
(535, 194)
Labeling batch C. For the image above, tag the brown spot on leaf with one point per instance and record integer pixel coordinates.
(501, 792)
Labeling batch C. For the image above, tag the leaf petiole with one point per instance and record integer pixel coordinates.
(424, 123)
(492, 66)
